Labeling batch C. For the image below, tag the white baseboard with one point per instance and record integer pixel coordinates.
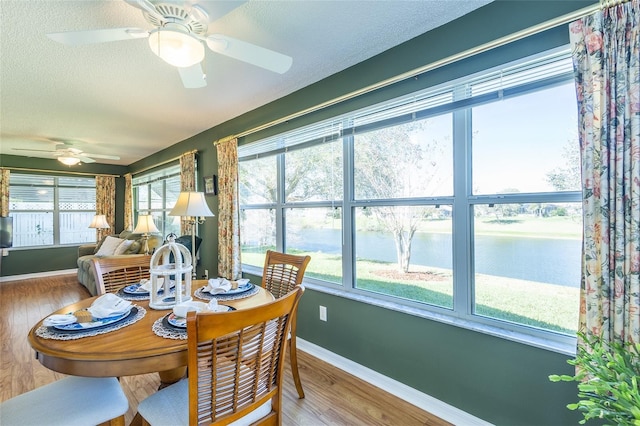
(421, 400)
(38, 275)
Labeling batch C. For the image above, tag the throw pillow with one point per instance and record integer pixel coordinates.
(100, 244)
(109, 246)
(134, 248)
(123, 247)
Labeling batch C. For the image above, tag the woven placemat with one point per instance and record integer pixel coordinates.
(53, 333)
(128, 296)
(162, 328)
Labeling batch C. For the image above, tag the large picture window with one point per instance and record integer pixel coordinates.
(51, 210)
(156, 193)
(462, 199)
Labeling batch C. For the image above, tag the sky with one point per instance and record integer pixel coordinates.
(530, 132)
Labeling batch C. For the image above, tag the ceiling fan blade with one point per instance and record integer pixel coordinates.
(84, 159)
(77, 38)
(193, 77)
(106, 157)
(250, 53)
(34, 150)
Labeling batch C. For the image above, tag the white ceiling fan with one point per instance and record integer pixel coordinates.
(179, 36)
(68, 155)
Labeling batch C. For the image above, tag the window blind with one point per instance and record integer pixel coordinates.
(499, 83)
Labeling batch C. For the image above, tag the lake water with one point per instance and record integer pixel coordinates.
(548, 260)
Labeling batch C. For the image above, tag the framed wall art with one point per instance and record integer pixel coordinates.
(211, 185)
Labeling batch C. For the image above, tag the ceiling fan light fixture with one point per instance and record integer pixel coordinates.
(176, 47)
(68, 161)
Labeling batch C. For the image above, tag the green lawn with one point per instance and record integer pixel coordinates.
(535, 304)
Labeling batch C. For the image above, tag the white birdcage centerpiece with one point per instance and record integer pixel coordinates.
(170, 281)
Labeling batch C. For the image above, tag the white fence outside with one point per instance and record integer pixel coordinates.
(37, 228)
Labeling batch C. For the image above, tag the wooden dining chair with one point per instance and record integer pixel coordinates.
(235, 363)
(70, 401)
(282, 273)
(113, 273)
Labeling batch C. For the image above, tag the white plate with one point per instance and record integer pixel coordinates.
(180, 322)
(241, 289)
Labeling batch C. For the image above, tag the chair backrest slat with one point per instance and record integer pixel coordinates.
(282, 272)
(236, 360)
(113, 273)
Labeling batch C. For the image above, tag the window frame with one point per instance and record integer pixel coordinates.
(462, 202)
(56, 211)
(147, 179)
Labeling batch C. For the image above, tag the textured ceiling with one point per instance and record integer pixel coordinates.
(119, 98)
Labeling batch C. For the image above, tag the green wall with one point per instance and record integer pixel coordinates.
(497, 380)
(500, 381)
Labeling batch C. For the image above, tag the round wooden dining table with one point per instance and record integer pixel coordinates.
(131, 350)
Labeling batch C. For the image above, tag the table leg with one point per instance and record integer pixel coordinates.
(137, 420)
(169, 377)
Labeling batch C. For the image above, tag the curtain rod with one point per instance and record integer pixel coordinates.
(162, 163)
(564, 19)
(25, 169)
(224, 140)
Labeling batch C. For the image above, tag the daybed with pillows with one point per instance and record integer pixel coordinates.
(124, 244)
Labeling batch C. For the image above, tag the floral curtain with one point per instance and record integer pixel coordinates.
(105, 202)
(229, 265)
(128, 202)
(606, 56)
(187, 182)
(4, 192)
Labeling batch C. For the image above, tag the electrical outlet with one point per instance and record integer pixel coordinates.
(206, 274)
(323, 313)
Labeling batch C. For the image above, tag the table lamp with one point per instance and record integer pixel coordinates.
(145, 226)
(99, 222)
(193, 208)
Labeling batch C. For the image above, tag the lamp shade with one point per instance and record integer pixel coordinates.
(145, 225)
(100, 222)
(191, 204)
(68, 161)
(176, 47)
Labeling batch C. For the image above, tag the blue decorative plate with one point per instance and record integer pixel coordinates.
(136, 290)
(97, 323)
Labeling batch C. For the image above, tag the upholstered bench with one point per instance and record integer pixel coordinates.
(111, 246)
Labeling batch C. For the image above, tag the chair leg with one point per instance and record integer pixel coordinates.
(293, 355)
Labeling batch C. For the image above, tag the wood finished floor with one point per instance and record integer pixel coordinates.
(333, 397)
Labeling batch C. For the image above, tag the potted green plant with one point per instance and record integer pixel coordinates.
(607, 376)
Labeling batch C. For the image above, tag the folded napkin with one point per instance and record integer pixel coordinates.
(52, 320)
(242, 281)
(145, 285)
(218, 286)
(181, 309)
(109, 305)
